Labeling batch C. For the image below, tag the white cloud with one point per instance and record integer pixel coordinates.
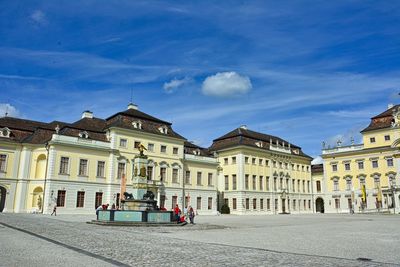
(317, 160)
(174, 84)
(39, 17)
(9, 109)
(226, 84)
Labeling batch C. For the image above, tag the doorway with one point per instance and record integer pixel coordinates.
(3, 193)
(319, 205)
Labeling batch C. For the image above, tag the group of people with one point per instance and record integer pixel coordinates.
(105, 207)
(181, 217)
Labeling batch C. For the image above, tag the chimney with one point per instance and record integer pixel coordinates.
(390, 106)
(87, 114)
(132, 106)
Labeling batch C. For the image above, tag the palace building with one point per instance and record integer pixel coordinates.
(364, 177)
(79, 166)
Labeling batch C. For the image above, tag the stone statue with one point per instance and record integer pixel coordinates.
(143, 172)
(128, 196)
(135, 171)
(148, 195)
(141, 148)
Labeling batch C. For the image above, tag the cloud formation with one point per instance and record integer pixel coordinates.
(174, 84)
(9, 109)
(226, 84)
(38, 17)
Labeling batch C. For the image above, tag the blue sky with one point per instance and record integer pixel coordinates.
(306, 71)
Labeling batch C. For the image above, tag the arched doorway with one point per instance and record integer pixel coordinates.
(37, 198)
(3, 193)
(319, 205)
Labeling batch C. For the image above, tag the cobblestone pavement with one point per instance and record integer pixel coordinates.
(213, 241)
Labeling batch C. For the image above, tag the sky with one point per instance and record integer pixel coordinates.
(306, 71)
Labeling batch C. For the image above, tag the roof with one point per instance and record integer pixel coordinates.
(383, 120)
(191, 148)
(134, 113)
(246, 137)
(317, 168)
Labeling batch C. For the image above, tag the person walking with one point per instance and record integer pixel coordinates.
(54, 211)
(191, 215)
(177, 212)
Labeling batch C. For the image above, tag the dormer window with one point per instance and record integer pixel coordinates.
(259, 144)
(196, 152)
(5, 132)
(137, 124)
(84, 134)
(163, 129)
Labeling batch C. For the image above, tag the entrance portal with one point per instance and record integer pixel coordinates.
(319, 205)
(3, 193)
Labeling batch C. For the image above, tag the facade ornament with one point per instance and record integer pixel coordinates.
(57, 129)
(339, 143)
(323, 145)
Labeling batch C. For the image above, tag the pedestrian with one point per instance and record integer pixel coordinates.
(177, 212)
(54, 211)
(100, 207)
(191, 215)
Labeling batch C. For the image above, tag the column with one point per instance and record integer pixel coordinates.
(23, 175)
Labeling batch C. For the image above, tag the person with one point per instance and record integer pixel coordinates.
(113, 206)
(54, 211)
(100, 207)
(177, 212)
(191, 215)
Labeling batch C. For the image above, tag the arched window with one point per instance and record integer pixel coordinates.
(84, 134)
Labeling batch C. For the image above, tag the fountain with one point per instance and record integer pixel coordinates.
(140, 206)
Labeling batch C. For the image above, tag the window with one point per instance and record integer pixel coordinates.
(253, 161)
(247, 203)
(98, 200)
(261, 204)
(209, 206)
(226, 161)
(83, 165)
(280, 165)
(261, 182)
(334, 167)
(254, 185)
(362, 182)
(3, 159)
(136, 144)
(298, 186)
(210, 178)
(361, 165)
(121, 170)
(347, 166)
(387, 137)
(337, 203)
(199, 178)
(294, 185)
(309, 204)
(268, 204)
(61, 198)
(335, 185)
(150, 147)
(80, 199)
(174, 201)
(389, 162)
(280, 183)
(304, 186)
(163, 174)
(318, 186)
(234, 203)
(64, 165)
(274, 164)
(149, 172)
(372, 139)
(233, 160)
(276, 204)
(100, 169)
(267, 183)
(246, 160)
(294, 204)
(187, 177)
(275, 183)
(163, 149)
(348, 184)
(118, 197)
(266, 162)
(199, 203)
(260, 162)
(308, 186)
(304, 204)
(377, 182)
(286, 166)
(175, 175)
(234, 182)
(254, 203)
(375, 163)
(226, 182)
(122, 142)
(246, 182)
(175, 150)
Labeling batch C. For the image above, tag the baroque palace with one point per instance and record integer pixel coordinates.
(364, 177)
(79, 166)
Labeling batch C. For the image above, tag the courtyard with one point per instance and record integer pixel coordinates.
(228, 240)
